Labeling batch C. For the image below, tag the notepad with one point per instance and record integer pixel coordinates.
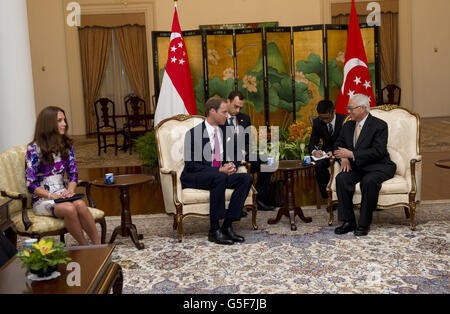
(324, 155)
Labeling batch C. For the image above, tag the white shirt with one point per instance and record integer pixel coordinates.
(333, 123)
(210, 129)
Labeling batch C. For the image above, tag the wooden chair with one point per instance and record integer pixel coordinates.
(105, 113)
(393, 94)
(137, 124)
(26, 223)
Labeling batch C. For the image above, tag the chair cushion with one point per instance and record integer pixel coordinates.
(41, 224)
(194, 196)
(395, 185)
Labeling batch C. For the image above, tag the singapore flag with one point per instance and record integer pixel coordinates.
(356, 71)
(177, 91)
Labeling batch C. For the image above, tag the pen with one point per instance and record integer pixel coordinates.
(316, 148)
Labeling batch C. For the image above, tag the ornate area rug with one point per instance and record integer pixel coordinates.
(274, 259)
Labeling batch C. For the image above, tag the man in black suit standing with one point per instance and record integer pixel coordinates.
(362, 150)
(237, 128)
(205, 168)
(325, 127)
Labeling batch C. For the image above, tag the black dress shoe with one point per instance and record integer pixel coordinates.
(230, 233)
(220, 238)
(264, 207)
(361, 231)
(345, 228)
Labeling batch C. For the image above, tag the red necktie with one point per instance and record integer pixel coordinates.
(216, 159)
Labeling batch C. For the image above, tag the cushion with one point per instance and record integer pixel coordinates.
(41, 224)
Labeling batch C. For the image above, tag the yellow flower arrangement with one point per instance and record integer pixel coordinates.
(43, 255)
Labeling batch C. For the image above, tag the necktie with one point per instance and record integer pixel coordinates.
(231, 122)
(330, 129)
(216, 159)
(358, 130)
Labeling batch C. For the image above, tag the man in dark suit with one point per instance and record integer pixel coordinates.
(237, 130)
(205, 168)
(325, 127)
(362, 150)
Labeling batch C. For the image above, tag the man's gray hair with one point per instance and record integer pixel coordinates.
(362, 100)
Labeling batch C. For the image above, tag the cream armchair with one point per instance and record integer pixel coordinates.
(13, 185)
(404, 189)
(178, 202)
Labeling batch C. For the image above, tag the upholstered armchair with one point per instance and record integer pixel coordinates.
(404, 189)
(13, 185)
(181, 203)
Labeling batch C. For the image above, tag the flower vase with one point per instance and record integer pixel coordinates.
(41, 273)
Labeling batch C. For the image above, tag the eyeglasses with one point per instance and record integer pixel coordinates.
(350, 109)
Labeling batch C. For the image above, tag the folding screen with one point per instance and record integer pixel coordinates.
(279, 76)
(269, 66)
(251, 72)
(310, 83)
(220, 64)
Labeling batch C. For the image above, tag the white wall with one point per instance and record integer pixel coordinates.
(431, 69)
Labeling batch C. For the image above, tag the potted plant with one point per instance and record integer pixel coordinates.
(294, 141)
(145, 145)
(42, 258)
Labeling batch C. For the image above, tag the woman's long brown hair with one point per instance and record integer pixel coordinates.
(47, 136)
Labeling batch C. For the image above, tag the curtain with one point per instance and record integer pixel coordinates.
(388, 42)
(132, 42)
(95, 45)
(116, 84)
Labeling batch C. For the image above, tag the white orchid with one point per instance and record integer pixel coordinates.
(250, 83)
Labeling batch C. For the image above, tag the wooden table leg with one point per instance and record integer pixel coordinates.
(127, 228)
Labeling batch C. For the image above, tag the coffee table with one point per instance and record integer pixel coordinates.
(124, 182)
(289, 167)
(98, 274)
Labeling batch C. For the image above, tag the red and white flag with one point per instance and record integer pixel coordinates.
(177, 91)
(356, 70)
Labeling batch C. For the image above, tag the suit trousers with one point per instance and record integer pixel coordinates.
(217, 183)
(323, 176)
(370, 184)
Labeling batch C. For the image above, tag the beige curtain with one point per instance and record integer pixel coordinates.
(95, 45)
(388, 42)
(133, 48)
(116, 84)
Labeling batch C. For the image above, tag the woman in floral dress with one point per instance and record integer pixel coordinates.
(49, 156)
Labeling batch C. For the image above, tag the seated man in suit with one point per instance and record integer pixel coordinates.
(362, 150)
(205, 168)
(326, 127)
(7, 250)
(236, 128)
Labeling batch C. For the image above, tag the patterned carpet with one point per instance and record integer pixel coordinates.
(273, 260)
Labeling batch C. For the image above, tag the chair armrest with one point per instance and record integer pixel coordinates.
(412, 163)
(332, 161)
(24, 198)
(87, 186)
(173, 174)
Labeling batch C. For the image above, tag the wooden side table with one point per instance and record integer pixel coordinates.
(289, 167)
(124, 182)
(6, 224)
(443, 163)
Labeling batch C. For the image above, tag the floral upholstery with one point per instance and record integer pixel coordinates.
(13, 185)
(170, 143)
(404, 189)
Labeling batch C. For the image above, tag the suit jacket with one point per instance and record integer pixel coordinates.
(198, 154)
(320, 131)
(232, 144)
(370, 151)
